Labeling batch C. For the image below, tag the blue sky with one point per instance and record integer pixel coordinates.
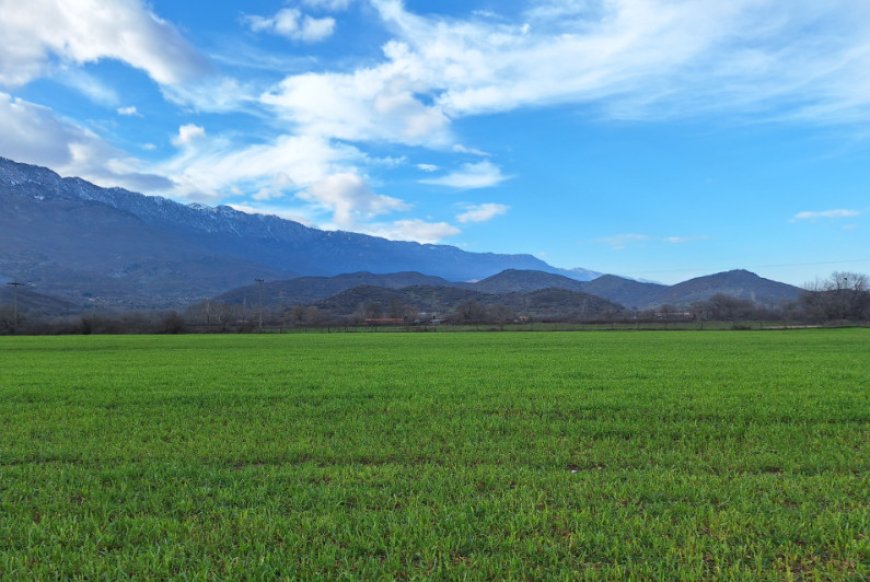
(661, 139)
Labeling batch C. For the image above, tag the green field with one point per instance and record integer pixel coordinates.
(616, 455)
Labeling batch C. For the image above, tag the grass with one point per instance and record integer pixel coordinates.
(647, 455)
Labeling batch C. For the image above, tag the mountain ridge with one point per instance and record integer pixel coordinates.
(85, 244)
(541, 303)
(628, 293)
(78, 240)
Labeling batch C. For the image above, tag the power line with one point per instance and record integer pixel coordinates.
(260, 304)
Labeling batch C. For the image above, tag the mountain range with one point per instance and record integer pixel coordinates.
(546, 303)
(504, 288)
(81, 242)
(78, 244)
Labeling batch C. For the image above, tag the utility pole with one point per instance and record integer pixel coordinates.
(845, 294)
(260, 304)
(15, 285)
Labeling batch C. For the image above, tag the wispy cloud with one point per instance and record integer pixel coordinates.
(222, 166)
(619, 242)
(649, 58)
(812, 215)
(461, 149)
(293, 24)
(281, 183)
(88, 85)
(35, 134)
(681, 240)
(331, 5)
(470, 176)
(482, 212)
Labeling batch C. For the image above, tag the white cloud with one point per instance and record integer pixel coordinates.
(149, 147)
(332, 5)
(350, 200)
(291, 23)
(187, 134)
(323, 175)
(429, 168)
(36, 32)
(413, 230)
(482, 212)
(34, 134)
(819, 214)
(281, 182)
(371, 104)
(129, 111)
(470, 176)
(213, 169)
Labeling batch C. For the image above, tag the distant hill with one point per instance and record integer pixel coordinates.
(423, 298)
(541, 303)
(617, 290)
(516, 280)
(737, 283)
(627, 292)
(31, 302)
(75, 240)
(581, 274)
(304, 290)
(560, 304)
(641, 295)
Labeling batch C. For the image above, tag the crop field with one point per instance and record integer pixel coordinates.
(599, 455)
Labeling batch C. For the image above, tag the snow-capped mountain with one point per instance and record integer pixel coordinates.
(82, 242)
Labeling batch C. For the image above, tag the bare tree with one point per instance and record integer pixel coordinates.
(842, 296)
(313, 316)
(500, 314)
(296, 314)
(372, 310)
(470, 312)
